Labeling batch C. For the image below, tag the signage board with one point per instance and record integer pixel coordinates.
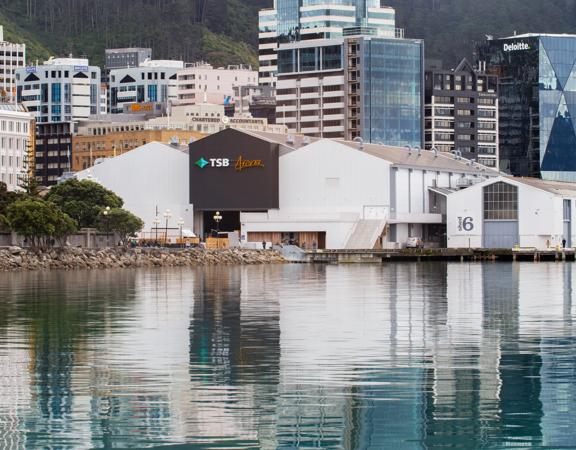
(516, 46)
(232, 170)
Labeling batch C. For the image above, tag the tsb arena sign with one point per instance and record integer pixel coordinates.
(516, 47)
(239, 163)
(225, 178)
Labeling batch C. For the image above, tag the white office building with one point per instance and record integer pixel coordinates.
(60, 90)
(15, 128)
(202, 83)
(12, 57)
(152, 81)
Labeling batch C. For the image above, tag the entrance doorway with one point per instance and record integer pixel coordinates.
(230, 222)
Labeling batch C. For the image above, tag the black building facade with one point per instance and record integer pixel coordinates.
(537, 87)
(53, 154)
(461, 112)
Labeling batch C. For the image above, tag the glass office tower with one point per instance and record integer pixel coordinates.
(537, 103)
(356, 86)
(300, 20)
(391, 90)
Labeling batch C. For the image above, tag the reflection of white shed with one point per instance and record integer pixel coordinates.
(150, 179)
(504, 212)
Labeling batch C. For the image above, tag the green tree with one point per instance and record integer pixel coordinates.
(83, 200)
(7, 198)
(119, 221)
(39, 221)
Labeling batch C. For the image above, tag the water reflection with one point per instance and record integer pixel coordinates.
(411, 356)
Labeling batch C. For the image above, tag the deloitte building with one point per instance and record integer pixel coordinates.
(537, 103)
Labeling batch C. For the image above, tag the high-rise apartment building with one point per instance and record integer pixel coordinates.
(301, 20)
(152, 81)
(60, 90)
(358, 86)
(12, 57)
(202, 83)
(15, 129)
(53, 153)
(537, 103)
(461, 113)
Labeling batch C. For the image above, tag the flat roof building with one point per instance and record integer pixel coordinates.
(292, 21)
(152, 81)
(461, 112)
(12, 57)
(202, 83)
(16, 133)
(358, 86)
(121, 58)
(60, 90)
(89, 148)
(537, 106)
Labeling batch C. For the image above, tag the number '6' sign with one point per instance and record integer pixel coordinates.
(465, 223)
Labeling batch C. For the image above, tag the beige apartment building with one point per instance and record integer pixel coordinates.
(88, 148)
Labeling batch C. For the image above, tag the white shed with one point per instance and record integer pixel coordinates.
(505, 212)
(150, 179)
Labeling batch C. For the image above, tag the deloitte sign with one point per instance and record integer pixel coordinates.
(516, 47)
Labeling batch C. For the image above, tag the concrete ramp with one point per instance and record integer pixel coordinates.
(365, 234)
(292, 253)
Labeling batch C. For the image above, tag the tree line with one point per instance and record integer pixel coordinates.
(67, 207)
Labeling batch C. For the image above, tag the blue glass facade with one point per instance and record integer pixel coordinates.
(537, 104)
(392, 91)
(291, 20)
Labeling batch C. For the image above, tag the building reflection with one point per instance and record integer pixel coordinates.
(467, 364)
(410, 356)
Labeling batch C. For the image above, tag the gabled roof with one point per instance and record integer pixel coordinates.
(464, 66)
(555, 187)
(560, 188)
(399, 156)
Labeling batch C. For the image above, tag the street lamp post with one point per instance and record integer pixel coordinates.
(156, 222)
(180, 225)
(107, 218)
(217, 218)
(167, 216)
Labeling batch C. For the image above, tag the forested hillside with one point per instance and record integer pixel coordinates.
(451, 27)
(225, 31)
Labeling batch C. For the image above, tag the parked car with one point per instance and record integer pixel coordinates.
(414, 242)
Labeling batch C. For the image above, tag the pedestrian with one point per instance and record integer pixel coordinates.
(263, 245)
(563, 243)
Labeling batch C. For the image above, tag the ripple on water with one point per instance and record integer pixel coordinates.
(408, 356)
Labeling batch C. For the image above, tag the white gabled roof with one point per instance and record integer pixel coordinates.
(154, 153)
(559, 188)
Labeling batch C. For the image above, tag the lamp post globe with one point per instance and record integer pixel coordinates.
(217, 218)
(106, 213)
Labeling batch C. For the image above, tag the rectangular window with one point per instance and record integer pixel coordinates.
(500, 202)
(56, 93)
(152, 93)
(308, 59)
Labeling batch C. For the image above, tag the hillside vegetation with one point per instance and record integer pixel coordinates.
(225, 31)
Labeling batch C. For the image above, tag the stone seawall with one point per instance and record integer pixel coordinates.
(17, 259)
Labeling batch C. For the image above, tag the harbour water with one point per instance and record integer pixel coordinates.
(398, 356)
